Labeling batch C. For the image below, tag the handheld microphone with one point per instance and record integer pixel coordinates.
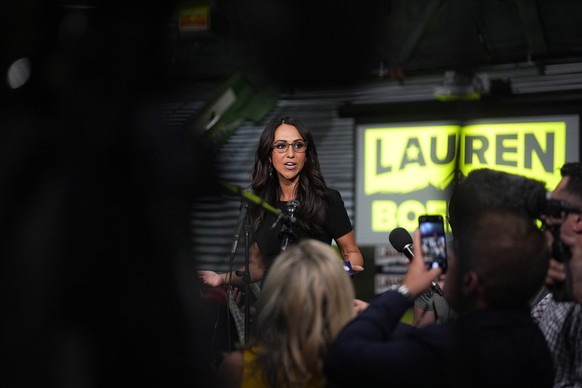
(401, 240)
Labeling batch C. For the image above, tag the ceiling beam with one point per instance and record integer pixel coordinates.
(429, 15)
(532, 27)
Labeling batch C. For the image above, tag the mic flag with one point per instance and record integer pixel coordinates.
(251, 197)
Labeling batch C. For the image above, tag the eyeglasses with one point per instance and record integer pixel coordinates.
(282, 146)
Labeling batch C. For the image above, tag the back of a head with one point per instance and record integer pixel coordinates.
(507, 251)
(491, 188)
(306, 299)
(496, 233)
(307, 276)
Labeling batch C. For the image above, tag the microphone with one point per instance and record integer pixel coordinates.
(287, 233)
(292, 208)
(401, 240)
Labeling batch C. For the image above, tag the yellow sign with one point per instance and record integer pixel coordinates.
(402, 160)
(407, 169)
(534, 150)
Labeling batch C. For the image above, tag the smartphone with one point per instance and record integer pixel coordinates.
(348, 267)
(433, 241)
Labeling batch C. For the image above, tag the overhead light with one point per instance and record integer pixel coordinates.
(18, 73)
(462, 86)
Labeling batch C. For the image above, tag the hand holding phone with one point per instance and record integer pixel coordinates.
(433, 241)
(418, 278)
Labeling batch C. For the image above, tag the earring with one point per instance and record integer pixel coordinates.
(270, 171)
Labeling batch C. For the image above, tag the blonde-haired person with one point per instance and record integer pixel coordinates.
(306, 299)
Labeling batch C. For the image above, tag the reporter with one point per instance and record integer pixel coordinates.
(493, 342)
(561, 321)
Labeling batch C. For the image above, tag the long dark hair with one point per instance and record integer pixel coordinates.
(311, 189)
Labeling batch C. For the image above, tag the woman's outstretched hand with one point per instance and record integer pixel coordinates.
(211, 278)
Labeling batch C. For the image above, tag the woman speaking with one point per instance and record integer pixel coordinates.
(286, 174)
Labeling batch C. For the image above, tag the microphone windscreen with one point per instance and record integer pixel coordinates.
(292, 208)
(292, 204)
(536, 202)
(399, 238)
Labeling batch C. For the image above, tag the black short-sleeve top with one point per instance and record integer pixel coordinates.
(336, 224)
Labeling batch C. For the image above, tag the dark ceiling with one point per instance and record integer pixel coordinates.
(300, 42)
(292, 42)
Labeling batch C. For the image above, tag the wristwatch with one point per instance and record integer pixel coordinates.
(402, 290)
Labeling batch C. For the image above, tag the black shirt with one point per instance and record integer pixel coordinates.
(336, 224)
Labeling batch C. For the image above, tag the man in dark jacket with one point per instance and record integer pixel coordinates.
(498, 263)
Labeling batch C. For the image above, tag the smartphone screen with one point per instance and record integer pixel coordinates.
(433, 241)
